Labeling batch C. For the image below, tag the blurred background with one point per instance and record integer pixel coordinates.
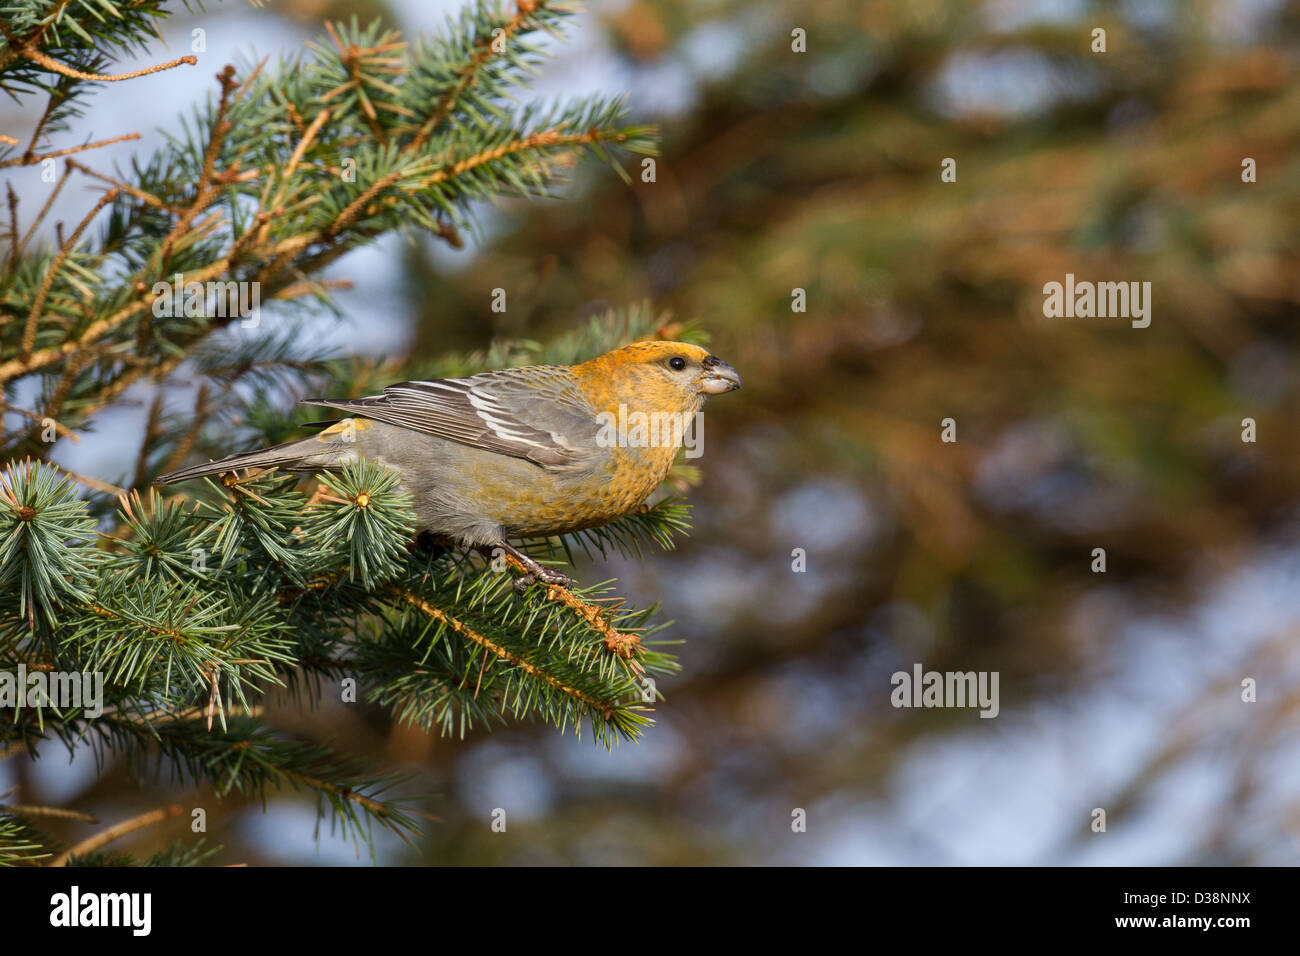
(820, 171)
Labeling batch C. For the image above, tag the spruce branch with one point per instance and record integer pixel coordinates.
(198, 610)
(47, 538)
(604, 708)
(29, 329)
(20, 844)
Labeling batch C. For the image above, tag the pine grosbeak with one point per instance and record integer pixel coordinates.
(521, 452)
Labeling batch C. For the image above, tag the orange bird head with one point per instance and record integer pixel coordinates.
(656, 376)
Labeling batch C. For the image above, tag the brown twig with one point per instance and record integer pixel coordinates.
(29, 331)
(104, 837)
(29, 159)
(36, 417)
(56, 95)
(45, 209)
(379, 809)
(36, 56)
(57, 813)
(54, 405)
(93, 483)
(546, 138)
(147, 198)
(13, 223)
(624, 645)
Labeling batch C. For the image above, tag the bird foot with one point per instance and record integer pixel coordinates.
(534, 573)
(547, 576)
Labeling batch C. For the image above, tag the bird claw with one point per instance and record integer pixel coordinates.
(547, 576)
(534, 573)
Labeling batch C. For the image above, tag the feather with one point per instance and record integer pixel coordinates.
(537, 413)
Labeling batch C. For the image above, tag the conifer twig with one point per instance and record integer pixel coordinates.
(30, 159)
(45, 209)
(523, 10)
(92, 483)
(624, 645)
(130, 190)
(117, 830)
(36, 56)
(29, 330)
(460, 627)
(57, 813)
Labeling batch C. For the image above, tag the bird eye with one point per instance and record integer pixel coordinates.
(677, 363)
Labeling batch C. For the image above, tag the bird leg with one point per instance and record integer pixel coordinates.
(533, 572)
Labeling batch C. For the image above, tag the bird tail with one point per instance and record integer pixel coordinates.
(288, 455)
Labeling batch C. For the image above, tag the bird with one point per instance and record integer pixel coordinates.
(524, 452)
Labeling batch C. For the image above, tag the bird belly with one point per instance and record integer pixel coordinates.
(477, 496)
(558, 501)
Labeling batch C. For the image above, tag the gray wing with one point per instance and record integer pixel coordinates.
(537, 413)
